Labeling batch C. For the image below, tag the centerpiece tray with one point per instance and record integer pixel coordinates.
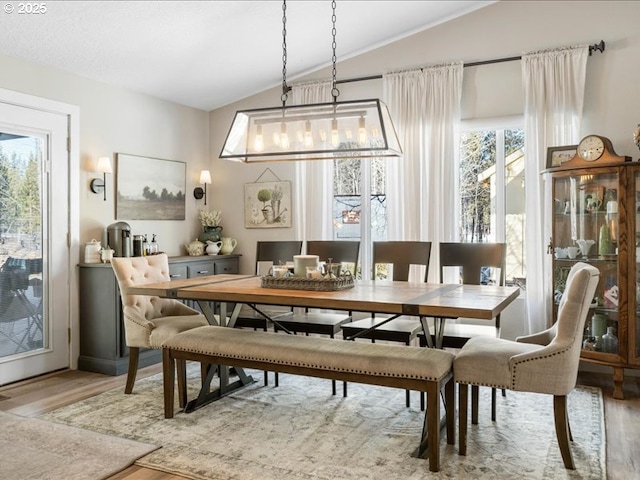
(302, 283)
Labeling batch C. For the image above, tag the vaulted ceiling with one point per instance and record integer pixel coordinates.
(207, 54)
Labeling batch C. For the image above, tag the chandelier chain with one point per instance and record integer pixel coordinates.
(334, 90)
(285, 88)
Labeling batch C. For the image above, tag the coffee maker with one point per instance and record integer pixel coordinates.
(119, 239)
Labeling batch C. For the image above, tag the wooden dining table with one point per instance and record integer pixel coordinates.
(419, 299)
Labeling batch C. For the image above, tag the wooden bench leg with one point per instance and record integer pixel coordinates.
(168, 380)
(181, 367)
(493, 404)
(475, 393)
(433, 425)
(462, 420)
(450, 410)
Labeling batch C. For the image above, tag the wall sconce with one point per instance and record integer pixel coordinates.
(99, 184)
(198, 192)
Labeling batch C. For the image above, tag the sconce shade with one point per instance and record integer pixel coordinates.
(98, 185)
(104, 165)
(198, 192)
(205, 177)
(322, 131)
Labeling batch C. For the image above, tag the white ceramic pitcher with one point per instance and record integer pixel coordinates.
(213, 247)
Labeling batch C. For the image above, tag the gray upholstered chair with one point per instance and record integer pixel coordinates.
(546, 362)
(149, 321)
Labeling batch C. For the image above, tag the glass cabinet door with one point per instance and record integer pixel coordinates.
(586, 228)
(634, 324)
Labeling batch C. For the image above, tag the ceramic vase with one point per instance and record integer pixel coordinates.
(211, 234)
(605, 246)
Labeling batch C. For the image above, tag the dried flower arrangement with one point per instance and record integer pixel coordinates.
(210, 218)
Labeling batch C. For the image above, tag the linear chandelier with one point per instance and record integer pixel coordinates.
(321, 131)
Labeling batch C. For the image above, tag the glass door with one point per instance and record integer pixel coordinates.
(586, 228)
(34, 285)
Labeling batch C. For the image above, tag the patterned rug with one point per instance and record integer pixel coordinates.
(34, 449)
(300, 431)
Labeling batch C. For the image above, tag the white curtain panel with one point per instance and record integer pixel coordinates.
(554, 82)
(421, 197)
(313, 186)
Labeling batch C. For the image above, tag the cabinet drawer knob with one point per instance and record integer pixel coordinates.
(175, 275)
(201, 272)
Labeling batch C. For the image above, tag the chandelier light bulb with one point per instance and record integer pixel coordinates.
(335, 135)
(258, 141)
(308, 136)
(284, 138)
(362, 131)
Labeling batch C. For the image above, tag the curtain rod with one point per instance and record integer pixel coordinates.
(595, 47)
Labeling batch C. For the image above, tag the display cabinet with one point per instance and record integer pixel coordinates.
(102, 340)
(596, 219)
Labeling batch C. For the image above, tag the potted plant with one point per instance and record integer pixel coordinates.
(210, 220)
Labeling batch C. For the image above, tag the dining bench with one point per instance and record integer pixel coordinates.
(413, 368)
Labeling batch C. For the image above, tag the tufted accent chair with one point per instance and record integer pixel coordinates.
(149, 321)
(546, 362)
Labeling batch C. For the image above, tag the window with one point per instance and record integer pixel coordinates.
(492, 197)
(357, 216)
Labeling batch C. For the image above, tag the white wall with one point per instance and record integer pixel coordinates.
(503, 29)
(117, 120)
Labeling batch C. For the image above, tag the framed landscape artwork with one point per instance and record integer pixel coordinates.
(267, 205)
(150, 188)
(556, 156)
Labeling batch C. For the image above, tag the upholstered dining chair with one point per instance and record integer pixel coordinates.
(401, 255)
(308, 322)
(546, 362)
(149, 321)
(476, 261)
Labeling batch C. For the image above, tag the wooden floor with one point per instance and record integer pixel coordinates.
(35, 397)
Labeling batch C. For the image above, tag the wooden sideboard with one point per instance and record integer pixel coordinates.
(102, 341)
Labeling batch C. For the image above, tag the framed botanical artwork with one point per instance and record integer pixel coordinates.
(267, 205)
(149, 188)
(556, 156)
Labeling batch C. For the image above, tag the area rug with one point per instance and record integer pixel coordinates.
(34, 449)
(300, 431)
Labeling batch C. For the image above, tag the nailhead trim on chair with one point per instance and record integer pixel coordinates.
(540, 357)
